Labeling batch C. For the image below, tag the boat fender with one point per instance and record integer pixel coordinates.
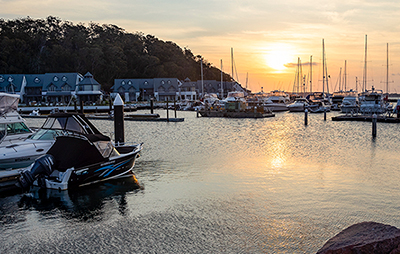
(41, 167)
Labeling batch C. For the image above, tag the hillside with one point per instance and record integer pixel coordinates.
(107, 51)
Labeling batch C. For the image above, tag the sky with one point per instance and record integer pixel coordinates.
(267, 37)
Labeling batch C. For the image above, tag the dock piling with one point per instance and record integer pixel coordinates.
(374, 120)
(152, 105)
(324, 114)
(306, 117)
(167, 112)
(119, 120)
(175, 106)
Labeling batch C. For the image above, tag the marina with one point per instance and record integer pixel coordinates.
(270, 185)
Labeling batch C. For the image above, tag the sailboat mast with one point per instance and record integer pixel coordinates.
(323, 66)
(387, 69)
(202, 82)
(233, 77)
(340, 79)
(345, 75)
(247, 79)
(365, 67)
(310, 74)
(222, 83)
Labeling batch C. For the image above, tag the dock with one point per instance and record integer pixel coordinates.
(366, 118)
(234, 114)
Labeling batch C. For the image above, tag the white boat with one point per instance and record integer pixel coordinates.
(299, 105)
(371, 102)
(277, 101)
(24, 153)
(350, 103)
(12, 126)
(320, 107)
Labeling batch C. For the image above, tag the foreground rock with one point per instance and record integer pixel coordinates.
(365, 237)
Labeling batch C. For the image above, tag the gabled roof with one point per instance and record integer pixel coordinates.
(15, 79)
(88, 80)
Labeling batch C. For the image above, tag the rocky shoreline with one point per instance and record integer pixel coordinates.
(364, 237)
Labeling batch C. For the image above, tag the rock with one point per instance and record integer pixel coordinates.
(364, 237)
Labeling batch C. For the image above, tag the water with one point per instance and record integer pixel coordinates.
(215, 185)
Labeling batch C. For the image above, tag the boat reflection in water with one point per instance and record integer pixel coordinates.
(85, 204)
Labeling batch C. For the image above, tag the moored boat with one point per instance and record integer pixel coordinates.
(12, 126)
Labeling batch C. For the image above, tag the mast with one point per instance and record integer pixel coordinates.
(222, 83)
(345, 75)
(340, 79)
(202, 82)
(247, 79)
(233, 77)
(387, 69)
(310, 74)
(364, 87)
(323, 66)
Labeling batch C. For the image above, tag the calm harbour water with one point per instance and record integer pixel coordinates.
(216, 185)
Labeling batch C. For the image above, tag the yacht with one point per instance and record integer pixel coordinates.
(277, 101)
(350, 103)
(299, 105)
(12, 126)
(371, 102)
(337, 99)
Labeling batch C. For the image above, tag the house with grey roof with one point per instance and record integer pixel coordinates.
(162, 89)
(51, 87)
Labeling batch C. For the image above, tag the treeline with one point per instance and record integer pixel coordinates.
(29, 46)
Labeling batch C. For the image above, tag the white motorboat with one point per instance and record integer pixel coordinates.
(24, 153)
(299, 105)
(319, 107)
(277, 101)
(12, 126)
(350, 103)
(371, 102)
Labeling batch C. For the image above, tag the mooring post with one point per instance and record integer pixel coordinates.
(167, 112)
(81, 102)
(119, 120)
(110, 104)
(324, 114)
(152, 105)
(374, 120)
(197, 113)
(75, 107)
(306, 117)
(175, 106)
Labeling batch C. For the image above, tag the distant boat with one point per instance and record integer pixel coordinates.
(299, 105)
(371, 102)
(277, 101)
(12, 126)
(350, 103)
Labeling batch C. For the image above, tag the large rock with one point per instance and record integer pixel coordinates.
(365, 237)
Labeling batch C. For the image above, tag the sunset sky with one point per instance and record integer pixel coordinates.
(267, 37)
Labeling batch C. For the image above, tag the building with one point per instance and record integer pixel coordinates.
(52, 88)
(162, 89)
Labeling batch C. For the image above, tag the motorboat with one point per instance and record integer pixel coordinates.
(337, 99)
(350, 103)
(299, 105)
(277, 101)
(80, 156)
(235, 101)
(24, 153)
(371, 102)
(12, 126)
(80, 159)
(319, 107)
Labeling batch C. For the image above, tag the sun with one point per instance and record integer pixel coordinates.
(277, 56)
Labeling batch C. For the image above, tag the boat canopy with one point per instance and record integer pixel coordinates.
(72, 122)
(8, 102)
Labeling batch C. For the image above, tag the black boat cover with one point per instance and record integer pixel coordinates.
(71, 151)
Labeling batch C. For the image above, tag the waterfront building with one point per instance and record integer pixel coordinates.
(162, 89)
(51, 87)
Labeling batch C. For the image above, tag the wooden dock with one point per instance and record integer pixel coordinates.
(366, 118)
(234, 114)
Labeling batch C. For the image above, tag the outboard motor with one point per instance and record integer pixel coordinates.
(42, 167)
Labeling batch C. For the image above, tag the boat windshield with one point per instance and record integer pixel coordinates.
(2, 131)
(64, 123)
(17, 128)
(46, 134)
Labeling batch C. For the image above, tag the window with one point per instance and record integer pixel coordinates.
(55, 79)
(121, 90)
(123, 83)
(17, 128)
(1, 79)
(10, 79)
(51, 88)
(64, 79)
(129, 82)
(11, 88)
(66, 87)
(36, 80)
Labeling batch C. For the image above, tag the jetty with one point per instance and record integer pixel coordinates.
(234, 114)
(366, 118)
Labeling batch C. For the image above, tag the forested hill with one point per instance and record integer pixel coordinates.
(30, 46)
